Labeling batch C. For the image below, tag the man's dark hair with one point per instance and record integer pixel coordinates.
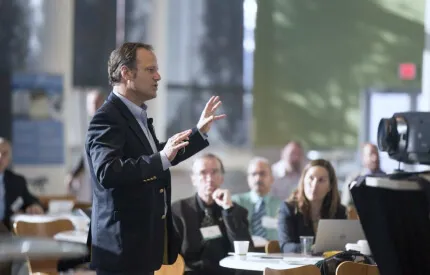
(124, 55)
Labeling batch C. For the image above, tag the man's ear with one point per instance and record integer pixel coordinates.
(126, 73)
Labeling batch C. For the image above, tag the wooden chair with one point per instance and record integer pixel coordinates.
(82, 205)
(177, 268)
(302, 270)
(272, 247)
(351, 268)
(43, 229)
(351, 213)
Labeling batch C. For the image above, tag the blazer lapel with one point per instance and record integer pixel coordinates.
(134, 125)
(152, 131)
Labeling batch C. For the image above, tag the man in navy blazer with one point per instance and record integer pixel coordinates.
(131, 223)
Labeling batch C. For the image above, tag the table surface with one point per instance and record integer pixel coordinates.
(75, 236)
(259, 261)
(80, 222)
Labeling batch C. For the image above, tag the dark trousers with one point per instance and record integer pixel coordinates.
(103, 272)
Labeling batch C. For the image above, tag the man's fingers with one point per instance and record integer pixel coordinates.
(220, 117)
(217, 104)
(180, 145)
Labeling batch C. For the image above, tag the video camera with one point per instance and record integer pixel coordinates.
(406, 137)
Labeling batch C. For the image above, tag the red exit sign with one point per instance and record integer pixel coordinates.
(407, 71)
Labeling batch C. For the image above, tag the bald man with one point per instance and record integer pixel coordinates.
(261, 205)
(78, 180)
(287, 171)
(14, 195)
(370, 166)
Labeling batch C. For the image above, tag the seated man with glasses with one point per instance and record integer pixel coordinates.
(262, 207)
(209, 222)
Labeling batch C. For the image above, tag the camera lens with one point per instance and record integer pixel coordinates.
(388, 136)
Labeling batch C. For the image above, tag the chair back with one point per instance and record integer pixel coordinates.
(302, 270)
(351, 213)
(177, 268)
(272, 247)
(351, 268)
(42, 229)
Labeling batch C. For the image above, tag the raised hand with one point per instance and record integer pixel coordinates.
(208, 115)
(176, 143)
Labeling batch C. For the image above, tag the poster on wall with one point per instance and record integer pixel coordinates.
(37, 124)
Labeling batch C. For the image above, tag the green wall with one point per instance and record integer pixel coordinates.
(313, 58)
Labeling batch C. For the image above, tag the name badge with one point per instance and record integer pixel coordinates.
(269, 222)
(211, 232)
(17, 204)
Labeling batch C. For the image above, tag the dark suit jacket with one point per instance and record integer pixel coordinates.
(128, 222)
(15, 190)
(187, 225)
(291, 225)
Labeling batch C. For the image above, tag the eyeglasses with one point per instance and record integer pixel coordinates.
(212, 173)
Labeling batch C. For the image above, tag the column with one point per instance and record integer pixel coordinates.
(54, 55)
(425, 86)
(158, 37)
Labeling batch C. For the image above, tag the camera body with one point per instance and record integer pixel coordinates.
(406, 137)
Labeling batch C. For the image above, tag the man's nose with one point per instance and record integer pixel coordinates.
(157, 76)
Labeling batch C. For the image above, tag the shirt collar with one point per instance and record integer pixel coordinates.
(255, 198)
(202, 205)
(137, 111)
(1, 177)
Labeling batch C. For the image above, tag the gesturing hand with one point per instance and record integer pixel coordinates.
(222, 197)
(175, 143)
(208, 115)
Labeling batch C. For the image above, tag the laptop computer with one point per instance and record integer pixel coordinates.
(335, 234)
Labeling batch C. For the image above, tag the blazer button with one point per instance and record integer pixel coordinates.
(163, 217)
(161, 190)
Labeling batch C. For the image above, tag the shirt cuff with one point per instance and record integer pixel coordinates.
(204, 136)
(165, 161)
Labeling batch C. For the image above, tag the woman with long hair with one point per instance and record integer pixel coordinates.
(317, 197)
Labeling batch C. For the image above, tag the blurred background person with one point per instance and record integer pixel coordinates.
(286, 171)
(371, 166)
(14, 194)
(317, 198)
(78, 179)
(261, 205)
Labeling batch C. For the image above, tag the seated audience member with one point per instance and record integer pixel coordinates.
(210, 207)
(317, 198)
(286, 172)
(14, 195)
(262, 207)
(370, 166)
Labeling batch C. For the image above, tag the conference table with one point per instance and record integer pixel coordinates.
(259, 261)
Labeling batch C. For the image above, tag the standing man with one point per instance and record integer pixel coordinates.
(131, 224)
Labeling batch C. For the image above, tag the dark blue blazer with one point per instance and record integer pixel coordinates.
(292, 225)
(128, 222)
